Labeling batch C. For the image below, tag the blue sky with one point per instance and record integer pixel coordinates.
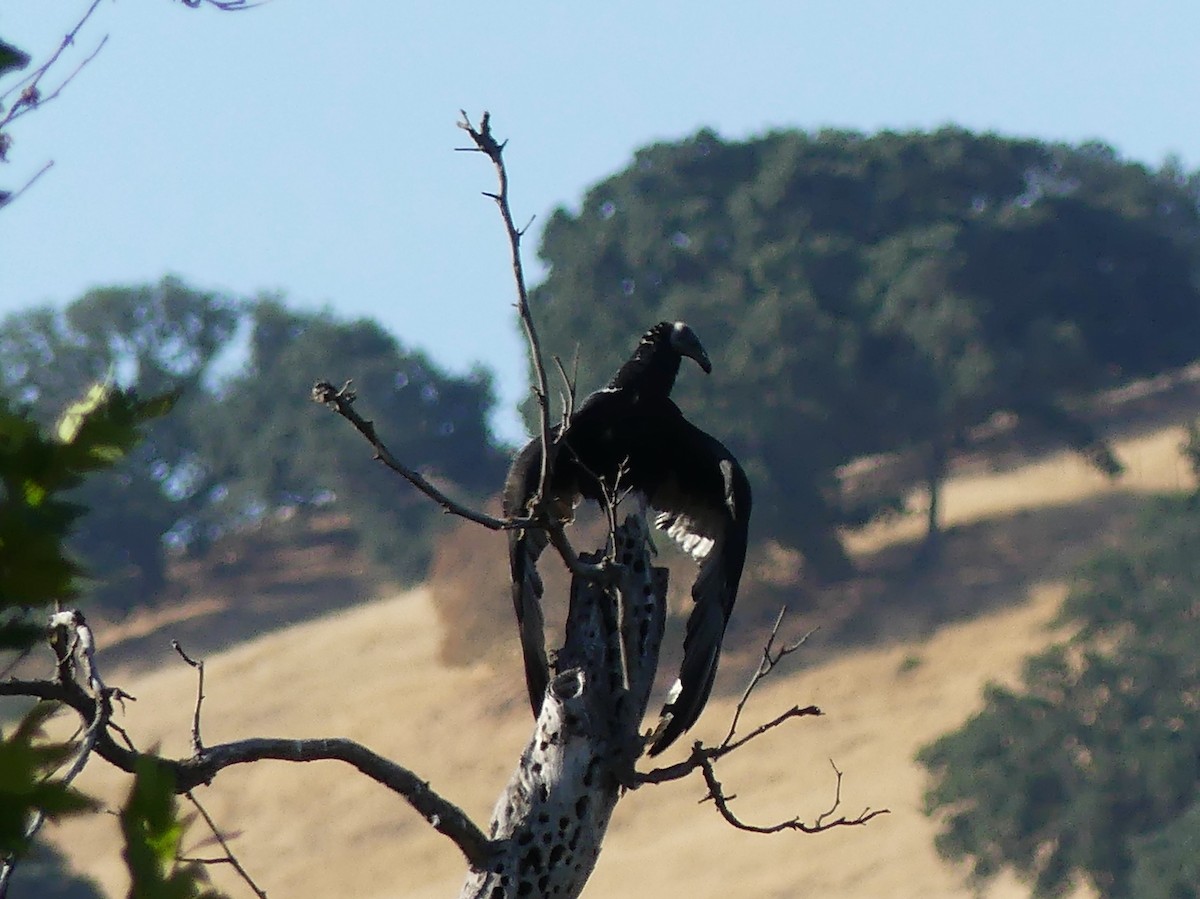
(307, 146)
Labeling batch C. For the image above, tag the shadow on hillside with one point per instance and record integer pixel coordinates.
(262, 584)
(1125, 413)
(984, 565)
(250, 585)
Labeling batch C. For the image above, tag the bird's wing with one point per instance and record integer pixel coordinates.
(524, 547)
(704, 501)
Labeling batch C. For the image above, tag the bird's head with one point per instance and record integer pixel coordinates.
(684, 341)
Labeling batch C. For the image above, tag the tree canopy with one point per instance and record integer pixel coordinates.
(240, 448)
(877, 293)
(1091, 767)
(270, 447)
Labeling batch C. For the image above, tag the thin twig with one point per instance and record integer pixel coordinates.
(566, 396)
(702, 753)
(229, 858)
(721, 801)
(6, 199)
(702, 758)
(225, 5)
(341, 401)
(487, 144)
(197, 743)
(796, 711)
(538, 515)
(29, 97)
(765, 666)
(569, 384)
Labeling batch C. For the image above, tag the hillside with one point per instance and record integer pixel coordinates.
(371, 673)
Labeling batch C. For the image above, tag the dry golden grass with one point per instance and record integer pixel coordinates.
(1152, 462)
(373, 673)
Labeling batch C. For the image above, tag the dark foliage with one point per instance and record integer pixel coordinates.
(237, 452)
(1091, 769)
(44, 875)
(270, 448)
(861, 295)
(152, 339)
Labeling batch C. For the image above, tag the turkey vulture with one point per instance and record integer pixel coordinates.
(633, 428)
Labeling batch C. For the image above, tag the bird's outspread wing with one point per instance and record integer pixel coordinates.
(704, 501)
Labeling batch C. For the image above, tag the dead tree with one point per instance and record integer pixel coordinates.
(549, 823)
(551, 818)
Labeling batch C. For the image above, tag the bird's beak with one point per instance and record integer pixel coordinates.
(685, 342)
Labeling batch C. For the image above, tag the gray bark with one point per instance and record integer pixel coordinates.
(551, 819)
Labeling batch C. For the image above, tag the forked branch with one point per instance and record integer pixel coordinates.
(94, 707)
(703, 757)
(28, 90)
(341, 400)
(825, 821)
(486, 143)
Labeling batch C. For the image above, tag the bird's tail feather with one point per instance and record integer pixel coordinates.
(701, 651)
(524, 547)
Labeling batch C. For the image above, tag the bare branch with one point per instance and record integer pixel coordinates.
(568, 394)
(570, 382)
(197, 743)
(225, 5)
(341, 401)
(229, 858)
(100, 712)
(794, 712)
(204, 766)
(7, 198)
(701, 753)
(603, 571)
(721, 801)
(765, 667)
(487, 144)
(29, 95)
(703, 757)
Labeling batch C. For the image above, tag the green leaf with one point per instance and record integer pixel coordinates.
(1088, 770)
(76, 414)
(19, 635)
(102, 427)
(153, 833)
(35, 494)
(27, 763)
(35, 522)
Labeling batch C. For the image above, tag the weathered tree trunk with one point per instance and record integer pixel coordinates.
(553, 815)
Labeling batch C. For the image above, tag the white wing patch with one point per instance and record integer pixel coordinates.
(692, 537)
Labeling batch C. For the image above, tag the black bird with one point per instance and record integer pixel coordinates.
(632, 427)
